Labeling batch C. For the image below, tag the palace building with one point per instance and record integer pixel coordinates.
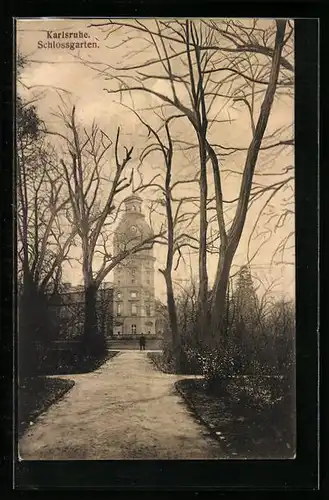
(133, 282)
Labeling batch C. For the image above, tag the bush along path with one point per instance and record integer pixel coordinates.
(252, 417)
(125, 410)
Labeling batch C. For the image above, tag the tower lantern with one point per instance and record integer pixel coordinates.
(133, 204)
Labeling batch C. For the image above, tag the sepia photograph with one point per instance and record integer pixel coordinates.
(155, 228)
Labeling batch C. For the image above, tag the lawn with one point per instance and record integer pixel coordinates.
(36, 395)
(67, 363)
(245, 429)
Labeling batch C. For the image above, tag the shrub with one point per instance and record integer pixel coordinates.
(255, 352)
(35, 330)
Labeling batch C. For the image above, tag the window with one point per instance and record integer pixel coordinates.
(148, 310)
(133, 309)
(119, 295)
(133, 282)
(119, 309)
(133, 295)
(133, 329)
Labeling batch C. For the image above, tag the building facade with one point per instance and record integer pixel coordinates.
(133, 295)
(68, 309)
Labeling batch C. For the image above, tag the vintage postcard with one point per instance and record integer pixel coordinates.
(155, 238)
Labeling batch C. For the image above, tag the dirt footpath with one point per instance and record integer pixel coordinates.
(124, 410)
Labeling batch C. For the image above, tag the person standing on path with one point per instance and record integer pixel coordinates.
(142, 342)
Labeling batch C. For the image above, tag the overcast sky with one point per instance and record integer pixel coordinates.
(51, 69)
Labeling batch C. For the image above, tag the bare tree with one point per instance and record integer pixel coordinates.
(230, 239)
(198, 72)
(43, 241)
(247, 48)
(43, 245)
(95, 206)
(177, 220)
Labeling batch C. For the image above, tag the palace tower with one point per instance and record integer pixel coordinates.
(134, 304)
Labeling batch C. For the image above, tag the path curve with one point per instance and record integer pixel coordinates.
(125, 410)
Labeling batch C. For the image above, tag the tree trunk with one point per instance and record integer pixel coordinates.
(235, 232)
(167, 272)
(94, 342)
(218, 302)
(203, 275)
(172, 311)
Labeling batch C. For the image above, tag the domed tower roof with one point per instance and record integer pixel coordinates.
(133, 197)
(133, 228)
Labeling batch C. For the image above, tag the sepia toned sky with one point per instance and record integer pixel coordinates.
(54, 74)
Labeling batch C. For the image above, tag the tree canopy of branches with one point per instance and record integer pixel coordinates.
(201, 69)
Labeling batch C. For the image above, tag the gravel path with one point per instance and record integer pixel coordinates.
(124, 410)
